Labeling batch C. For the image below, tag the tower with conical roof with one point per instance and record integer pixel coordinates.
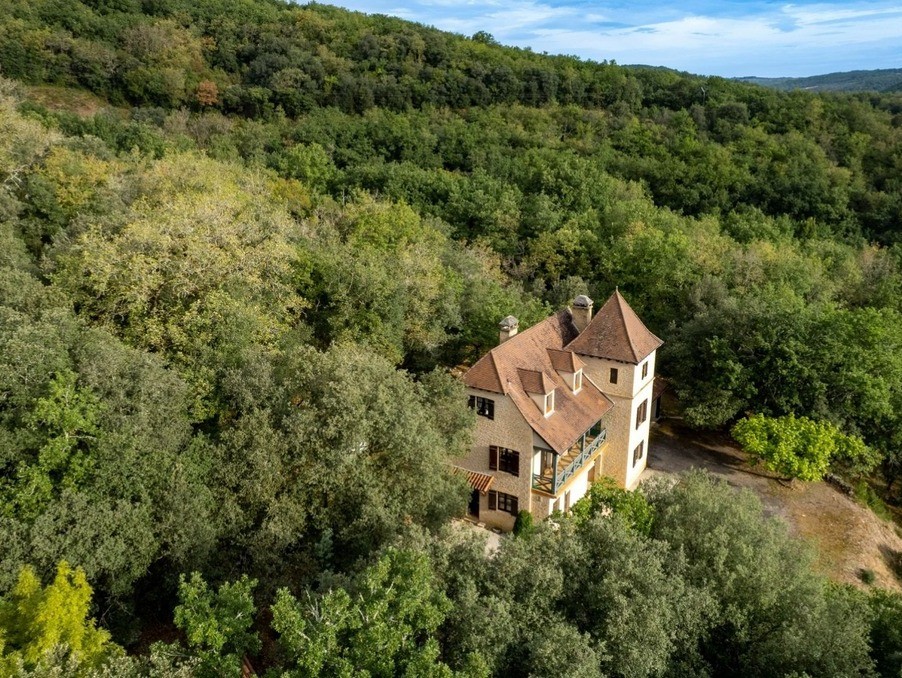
(619, 355)
(557, 406)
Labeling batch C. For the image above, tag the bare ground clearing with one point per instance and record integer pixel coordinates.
(70, 99)
(848, 537)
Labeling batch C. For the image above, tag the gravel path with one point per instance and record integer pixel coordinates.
(848, 537)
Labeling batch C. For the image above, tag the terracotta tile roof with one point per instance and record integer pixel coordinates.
(499, 371)
(478, 481)
(617, 333)
(484, 374)
(565, 361)
(660, 385)
(535, 382)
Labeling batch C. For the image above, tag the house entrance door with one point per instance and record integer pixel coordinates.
(473, 509)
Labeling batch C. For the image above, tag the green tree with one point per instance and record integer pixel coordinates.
(67, 421)
(886, 632)
(605, 497)
(771, 613)
(309, 164)
(217, 624)
(337, 448)
(383, 624)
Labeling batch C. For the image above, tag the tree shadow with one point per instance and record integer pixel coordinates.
(893, 560)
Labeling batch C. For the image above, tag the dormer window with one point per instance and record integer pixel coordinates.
(549, 403)
(569, 368)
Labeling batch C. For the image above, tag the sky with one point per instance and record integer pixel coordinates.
(730, 38)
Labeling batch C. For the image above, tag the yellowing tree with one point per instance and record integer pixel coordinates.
(38, 622)
(203, 265)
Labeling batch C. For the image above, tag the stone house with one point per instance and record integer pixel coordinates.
(558, 405)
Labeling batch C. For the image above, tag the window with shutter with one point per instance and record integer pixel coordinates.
(638, 452)
(493, 458)
(508, 461)
(645, 369)
(641, 414)
(505, 502)
(493, 500)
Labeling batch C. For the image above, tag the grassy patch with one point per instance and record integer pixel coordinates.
(57, 98)
(866, 495)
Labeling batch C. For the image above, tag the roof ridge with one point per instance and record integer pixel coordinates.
(629, 336)
(616, 332)
(528, 329)
(497, 373)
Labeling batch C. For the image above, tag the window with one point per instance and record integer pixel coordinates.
(613, 377)
(503, 459)
(499, 501)
(577, 381)
(484, 407)
(645, 369)
(547, 463)
(638, 452)
(549, 403)
(642, 413)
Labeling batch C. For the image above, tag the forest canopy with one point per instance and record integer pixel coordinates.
(242, 245)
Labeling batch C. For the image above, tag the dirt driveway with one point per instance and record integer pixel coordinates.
(848, 537)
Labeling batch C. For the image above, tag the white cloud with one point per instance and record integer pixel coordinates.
(818, 14)
(727, 39)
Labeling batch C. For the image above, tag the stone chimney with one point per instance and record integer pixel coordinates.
(581, 312)
(508, 328)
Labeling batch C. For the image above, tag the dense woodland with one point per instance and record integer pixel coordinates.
(241, 245)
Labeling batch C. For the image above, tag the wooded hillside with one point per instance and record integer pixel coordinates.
(879, 80)
(241, 243)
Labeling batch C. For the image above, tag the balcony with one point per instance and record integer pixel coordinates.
(564, 466)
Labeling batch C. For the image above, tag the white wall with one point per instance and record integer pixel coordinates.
(623, 436)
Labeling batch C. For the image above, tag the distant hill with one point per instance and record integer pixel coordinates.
(884, 80)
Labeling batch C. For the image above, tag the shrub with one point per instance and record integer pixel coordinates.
(606, 497)
(797, 447)
(523, 526)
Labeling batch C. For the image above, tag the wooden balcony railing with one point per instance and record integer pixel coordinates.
(567, 465)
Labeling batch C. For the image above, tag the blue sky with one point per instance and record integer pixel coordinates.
(729, 38)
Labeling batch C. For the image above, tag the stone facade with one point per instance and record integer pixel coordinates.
(508, 429)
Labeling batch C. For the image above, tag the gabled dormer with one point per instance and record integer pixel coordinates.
(569, 366)
(540, 389)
